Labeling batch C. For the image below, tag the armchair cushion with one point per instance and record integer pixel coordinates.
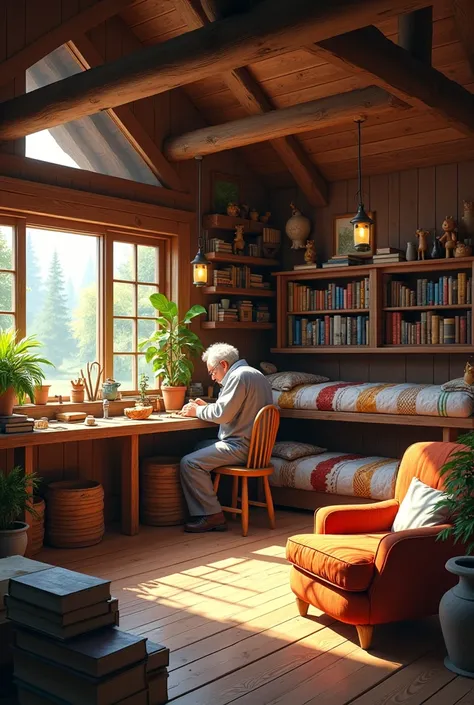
(346, 563)
(356, 518)
(418, 507)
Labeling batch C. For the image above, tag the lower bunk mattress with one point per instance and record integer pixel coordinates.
(376, 398)
(370, 477)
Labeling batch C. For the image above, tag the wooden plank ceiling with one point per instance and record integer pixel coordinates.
(392, 141)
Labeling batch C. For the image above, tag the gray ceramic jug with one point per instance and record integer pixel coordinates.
(456, 615)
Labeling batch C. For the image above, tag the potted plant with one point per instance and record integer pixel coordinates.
(16, 496)
(170, 349)
(143, 407)
(20, 369)
(456, 609)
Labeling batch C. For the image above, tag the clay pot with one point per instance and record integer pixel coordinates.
(13, 542)
(37, 526)
(75, 516)
(456, 615)
(173, 397)
(42, 394)
(77, 396)
(233, 210)
(7, 402)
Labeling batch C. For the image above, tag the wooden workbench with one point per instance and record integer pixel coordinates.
(115, 427)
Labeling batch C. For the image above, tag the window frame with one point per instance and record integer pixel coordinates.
(171, 260)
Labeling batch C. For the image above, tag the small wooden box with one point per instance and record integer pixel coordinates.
(245, 315)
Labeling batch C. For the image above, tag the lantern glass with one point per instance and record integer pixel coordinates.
(200, 274)
(362, 236)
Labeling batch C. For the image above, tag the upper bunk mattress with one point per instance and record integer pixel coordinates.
(376, 398)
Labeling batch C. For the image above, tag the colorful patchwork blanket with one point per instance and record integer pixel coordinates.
(376, 398)
(338, 473)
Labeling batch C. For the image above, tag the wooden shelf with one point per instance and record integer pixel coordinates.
(453, 307)
(325, 349)
(211, 325)
(216, 221)
(329, 312)
(233, 291)
(385, 349)
(242, 259)
(392, 419)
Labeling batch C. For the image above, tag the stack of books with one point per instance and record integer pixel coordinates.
(245, 309)
(342, 261)
(68, 649)
(217, 245)
(388, 254)
(16, 423)
(227, 315)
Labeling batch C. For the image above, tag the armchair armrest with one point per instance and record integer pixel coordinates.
(412, 544)
(355, 518)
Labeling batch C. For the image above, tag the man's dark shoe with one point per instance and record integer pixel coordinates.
(211, 522)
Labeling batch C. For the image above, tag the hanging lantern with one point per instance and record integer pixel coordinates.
(361, 221)
(201, 264)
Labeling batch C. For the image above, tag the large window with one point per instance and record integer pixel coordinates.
(62, 301)
(136, 278)
(7, 276)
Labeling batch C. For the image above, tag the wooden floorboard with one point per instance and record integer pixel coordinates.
(222, 604)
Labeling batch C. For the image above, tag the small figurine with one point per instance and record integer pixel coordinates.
(449, 237)
(105, 406)
(233, 209)
(310, 253)
(462, 250)
(437, 249)
(469, 373)
(239, 242)
(244, 210)
(265, 217)
(253, 214)
(422, 236)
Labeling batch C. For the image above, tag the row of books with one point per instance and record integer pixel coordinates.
(238, 277)
(271, 236)
(328, 330)
(430, 329)
(16, 423)
(354, 295)
(244, 310)
(446, 291)
(341, 261)
(215, 244)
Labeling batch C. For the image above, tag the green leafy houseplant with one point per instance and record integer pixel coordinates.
(171, 347)
(143, 387)
(16, 496)
(20, 368)
(458, 475)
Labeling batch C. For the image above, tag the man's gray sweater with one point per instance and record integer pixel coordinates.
(244, 392)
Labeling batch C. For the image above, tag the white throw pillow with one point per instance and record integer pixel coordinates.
(292, 450)
(418, 507)
(286, 381)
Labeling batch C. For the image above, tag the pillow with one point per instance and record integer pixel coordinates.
(418, 508)
(292, 450)
(458, 385)
(285, 381)
(268, 368)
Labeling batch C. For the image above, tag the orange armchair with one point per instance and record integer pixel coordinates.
(359, 572)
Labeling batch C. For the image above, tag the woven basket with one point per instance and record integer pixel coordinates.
(138, 413)
(161, 497)
(75, 516)
(37, 526)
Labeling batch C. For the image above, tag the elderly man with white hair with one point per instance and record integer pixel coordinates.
(244, 392)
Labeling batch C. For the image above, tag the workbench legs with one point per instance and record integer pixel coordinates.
(130, 485)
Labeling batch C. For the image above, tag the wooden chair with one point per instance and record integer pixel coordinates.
(264, 431)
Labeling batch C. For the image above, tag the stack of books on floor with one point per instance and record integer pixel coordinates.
(388, 254)
(16, 423)
(67, 647)
(342, 261)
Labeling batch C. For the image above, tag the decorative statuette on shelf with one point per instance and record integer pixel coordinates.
(469, 373)
(253, 214)
(298, 228)
(239, 242)
(265, 217)
(437, 249)
(233, 210)
(422, 236)
(449, 237)
(463, 250)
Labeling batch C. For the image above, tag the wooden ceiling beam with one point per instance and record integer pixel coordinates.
(464, 19)
(333, 110)
(415, 34)
(84, 20)
(272, 27)
(89, 56)
(253, 99)
(389, 66)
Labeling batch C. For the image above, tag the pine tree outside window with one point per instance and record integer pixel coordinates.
(7, 276)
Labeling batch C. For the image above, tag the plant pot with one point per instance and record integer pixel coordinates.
(138, 413)
(173, 397)
(77, 396)
(13, 542)
(456, 615)
(7, 402)
(42, 394)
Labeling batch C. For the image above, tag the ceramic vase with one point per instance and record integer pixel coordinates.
(298, 227)
(13, 542)
(411, 253)
(456, 615)
(437, 250)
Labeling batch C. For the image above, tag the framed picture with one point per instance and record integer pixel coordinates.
(225, 188)
(343, 236)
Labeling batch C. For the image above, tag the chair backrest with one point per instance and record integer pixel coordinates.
(264, 432)
(423, 461)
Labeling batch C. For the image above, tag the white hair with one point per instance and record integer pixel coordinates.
(220, 352)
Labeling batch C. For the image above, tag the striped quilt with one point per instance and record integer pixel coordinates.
(369, 477)
(376, 398)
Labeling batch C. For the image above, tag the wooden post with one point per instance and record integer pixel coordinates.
(130, 485)
(415, 33)
(450, 435)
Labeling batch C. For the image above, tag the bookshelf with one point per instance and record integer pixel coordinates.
(242, 278)
(405, 307)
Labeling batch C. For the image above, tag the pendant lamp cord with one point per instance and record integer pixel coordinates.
(359, 192)
(199, 203)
